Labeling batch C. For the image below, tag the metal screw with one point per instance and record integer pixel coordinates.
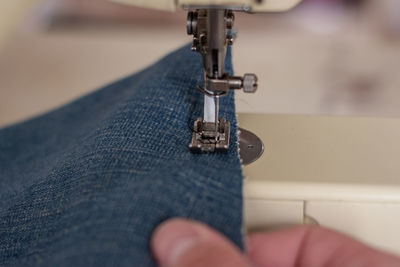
(203, 39)
(250, 83)
(195, 44)
(230, 39)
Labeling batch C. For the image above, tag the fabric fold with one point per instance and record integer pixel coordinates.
(86, 184)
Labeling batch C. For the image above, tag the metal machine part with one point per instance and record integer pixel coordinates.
(210, 28)
(251, 147)
(205, 137)
(210, 22)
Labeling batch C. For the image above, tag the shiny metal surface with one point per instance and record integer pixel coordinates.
(250, 83)
(207, 139)
(210, 28)
(251, 147)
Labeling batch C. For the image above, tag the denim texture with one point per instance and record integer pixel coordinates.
(86, 184)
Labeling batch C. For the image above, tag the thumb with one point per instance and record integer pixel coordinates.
(184, 243)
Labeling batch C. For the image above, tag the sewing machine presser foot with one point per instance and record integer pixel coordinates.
(206, 138)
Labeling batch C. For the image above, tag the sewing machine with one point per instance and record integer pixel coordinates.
(211, 23)
(316, 170)
(338, 172)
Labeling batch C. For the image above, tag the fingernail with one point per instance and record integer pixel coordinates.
(172, 239)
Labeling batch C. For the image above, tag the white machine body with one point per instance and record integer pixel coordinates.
(247, 5)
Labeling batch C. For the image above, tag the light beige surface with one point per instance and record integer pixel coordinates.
(307, 62)
(261, 213)
(343, 172)
(264, 6)
(58, 67)
(11, 12)
(347, 73)
(169, 5)
(374, 223)
(323, 149)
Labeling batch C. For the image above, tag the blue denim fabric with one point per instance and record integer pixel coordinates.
(86, 184)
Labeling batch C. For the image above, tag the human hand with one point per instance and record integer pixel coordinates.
(184, 243)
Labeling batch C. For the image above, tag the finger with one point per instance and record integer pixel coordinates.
(314, 247)
(184, 243)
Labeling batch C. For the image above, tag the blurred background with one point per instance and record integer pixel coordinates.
(324, 57)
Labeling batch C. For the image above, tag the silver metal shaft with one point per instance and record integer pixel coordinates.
(216, 43)
(214, 60)
(216, 103)
(210, 29)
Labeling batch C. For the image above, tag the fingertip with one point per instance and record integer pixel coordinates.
(172, 238)
(184, 243)
(313, 246)
(277, 248)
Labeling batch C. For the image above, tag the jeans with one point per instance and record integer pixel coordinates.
(86, 184)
